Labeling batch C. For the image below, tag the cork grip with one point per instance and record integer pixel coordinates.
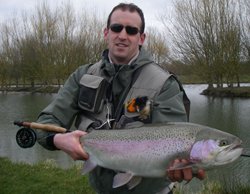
(47, 127)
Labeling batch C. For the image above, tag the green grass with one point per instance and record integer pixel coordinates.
(43, 177)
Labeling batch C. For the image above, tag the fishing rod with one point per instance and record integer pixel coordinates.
(26, 137)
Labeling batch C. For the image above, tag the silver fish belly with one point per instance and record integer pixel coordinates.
(149, 150)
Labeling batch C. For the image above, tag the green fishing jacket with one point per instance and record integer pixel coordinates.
(167, 107)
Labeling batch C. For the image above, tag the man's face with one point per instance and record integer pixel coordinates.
(123, 46)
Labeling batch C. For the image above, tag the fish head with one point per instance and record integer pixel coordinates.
(214, 148)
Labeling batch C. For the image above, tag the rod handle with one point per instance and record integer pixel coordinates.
(47, 127)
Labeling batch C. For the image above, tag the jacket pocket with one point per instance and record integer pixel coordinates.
(92, 93)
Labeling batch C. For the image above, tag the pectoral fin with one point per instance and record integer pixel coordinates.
(180, 165)
(88, 166)
(133, 182)
(121, 179)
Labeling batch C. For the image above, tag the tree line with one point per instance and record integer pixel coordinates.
(211, 37)
(206, 38)
(47, 45)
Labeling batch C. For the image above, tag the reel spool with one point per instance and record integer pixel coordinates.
(25, 137)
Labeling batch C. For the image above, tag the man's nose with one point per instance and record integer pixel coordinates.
(123, 34)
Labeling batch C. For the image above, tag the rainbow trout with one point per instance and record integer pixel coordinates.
(149, 150)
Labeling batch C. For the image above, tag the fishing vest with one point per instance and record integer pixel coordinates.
(97, 113)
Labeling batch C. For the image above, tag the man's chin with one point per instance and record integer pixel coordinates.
(121, 58)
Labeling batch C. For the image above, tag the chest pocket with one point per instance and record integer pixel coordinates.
(93, 91)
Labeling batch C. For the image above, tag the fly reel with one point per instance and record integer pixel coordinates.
(25, 137)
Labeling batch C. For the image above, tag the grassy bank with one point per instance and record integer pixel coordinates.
(228, 92)
(47, 89)
(46, 177)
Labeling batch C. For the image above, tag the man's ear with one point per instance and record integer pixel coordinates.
(142, 39)
(105, 34)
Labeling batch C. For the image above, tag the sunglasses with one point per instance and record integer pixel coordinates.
(129, 29)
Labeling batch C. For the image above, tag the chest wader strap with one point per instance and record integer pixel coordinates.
(121, 109)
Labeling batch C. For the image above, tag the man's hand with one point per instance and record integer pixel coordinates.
(184, 174)
(69, 143)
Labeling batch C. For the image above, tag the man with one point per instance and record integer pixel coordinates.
(129, 72)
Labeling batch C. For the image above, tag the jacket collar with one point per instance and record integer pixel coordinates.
(143, 57)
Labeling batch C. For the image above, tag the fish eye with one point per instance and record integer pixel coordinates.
(223, 143)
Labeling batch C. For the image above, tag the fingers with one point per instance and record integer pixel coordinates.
(81, 154)
(69, 143)
(78, 153)
(201, 174)
(171, 175)
(187, 172)
(80, 133)
(175, 175)
(184, 174)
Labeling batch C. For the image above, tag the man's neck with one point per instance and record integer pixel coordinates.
(130, 62)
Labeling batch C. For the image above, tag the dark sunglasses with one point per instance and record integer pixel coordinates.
(129, 29)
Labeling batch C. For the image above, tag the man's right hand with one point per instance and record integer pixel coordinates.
(184, 174)
(69, 143)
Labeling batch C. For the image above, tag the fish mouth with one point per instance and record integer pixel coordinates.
(237, 146)
(235, 152)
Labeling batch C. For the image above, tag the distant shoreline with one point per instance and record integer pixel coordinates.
(228, 92)
(44, 89)
(218, 92)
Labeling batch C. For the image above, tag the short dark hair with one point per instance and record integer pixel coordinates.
(132, 8)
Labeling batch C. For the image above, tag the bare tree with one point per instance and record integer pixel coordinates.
(49, 44)
(156, 43)
(206, 36)
(10, 43)
(245, 18)
(90, 35)
(44, 30)
(64, 45)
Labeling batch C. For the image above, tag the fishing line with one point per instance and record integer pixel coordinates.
(245, 155)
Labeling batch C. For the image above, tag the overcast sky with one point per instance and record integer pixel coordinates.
(151, 8)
